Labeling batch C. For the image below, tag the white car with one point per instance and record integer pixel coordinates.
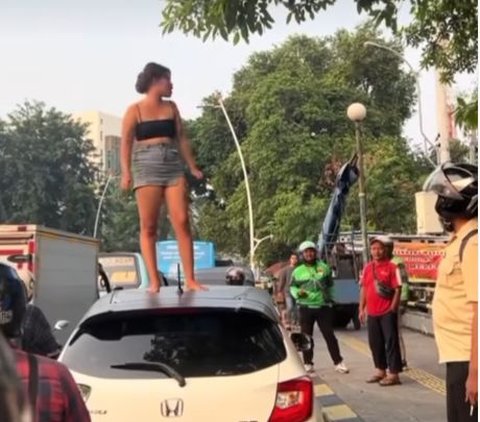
(219, 355)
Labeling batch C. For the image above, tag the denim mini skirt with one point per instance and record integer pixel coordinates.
(156, 165)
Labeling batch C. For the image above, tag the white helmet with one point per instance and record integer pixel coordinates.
(308, 244)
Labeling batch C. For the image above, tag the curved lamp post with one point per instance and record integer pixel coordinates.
(252, 247)
(100, 203)
(357, 112)
(258, 242)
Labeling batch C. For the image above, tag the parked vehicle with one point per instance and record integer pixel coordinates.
(124, 270)
(217, 355)
(63, 266)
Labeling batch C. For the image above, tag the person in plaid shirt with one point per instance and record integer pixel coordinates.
(37, 336)
(52, 392)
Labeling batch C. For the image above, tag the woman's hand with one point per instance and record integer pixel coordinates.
(126, 181)
(197, 173)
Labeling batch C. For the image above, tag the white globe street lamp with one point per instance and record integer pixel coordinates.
(357, 113)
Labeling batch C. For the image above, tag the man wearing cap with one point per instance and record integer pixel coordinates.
(379, 303)
(312, 288)
(405, 291)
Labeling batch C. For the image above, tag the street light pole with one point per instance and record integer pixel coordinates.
(357, 112)
(259, 241)
(247, 184)
(419, 92)
(257, 244)
(100, 203)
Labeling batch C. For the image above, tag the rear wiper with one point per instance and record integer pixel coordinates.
(153, 366)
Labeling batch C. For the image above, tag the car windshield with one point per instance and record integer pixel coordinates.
(195, 342)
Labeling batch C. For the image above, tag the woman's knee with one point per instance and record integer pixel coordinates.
(181, 222)
(148, 229)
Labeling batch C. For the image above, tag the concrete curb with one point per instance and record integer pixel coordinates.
(333, 407)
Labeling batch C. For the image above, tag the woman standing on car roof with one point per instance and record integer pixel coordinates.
(153, 131)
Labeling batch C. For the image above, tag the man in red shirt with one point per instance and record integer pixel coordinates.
(379, 303)
(47, 384)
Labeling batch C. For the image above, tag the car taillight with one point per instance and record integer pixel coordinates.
(85, 391)
(294, 401)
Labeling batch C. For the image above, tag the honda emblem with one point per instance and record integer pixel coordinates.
(172, 408)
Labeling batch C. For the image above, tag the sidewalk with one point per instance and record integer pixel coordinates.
(421, 398)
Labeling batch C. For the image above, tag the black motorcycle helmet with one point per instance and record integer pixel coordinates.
(235, 277)
(457, 188)
(13, 302)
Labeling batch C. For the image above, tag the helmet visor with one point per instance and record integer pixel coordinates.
(439, 183)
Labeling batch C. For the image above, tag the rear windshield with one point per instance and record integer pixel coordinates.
(199, 343)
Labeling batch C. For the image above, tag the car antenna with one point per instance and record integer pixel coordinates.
(179, 280)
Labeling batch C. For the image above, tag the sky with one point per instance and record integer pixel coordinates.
(85, 55)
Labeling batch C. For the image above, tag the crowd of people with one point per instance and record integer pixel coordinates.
(36, 387)
(305, 290)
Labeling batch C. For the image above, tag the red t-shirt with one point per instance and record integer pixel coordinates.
(386, 272)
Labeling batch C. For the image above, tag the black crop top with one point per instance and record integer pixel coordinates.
(148, 129)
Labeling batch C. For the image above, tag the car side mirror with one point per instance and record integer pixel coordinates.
(61, 325)
(302, 342)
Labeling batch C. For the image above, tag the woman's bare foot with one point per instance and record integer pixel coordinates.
(195, 285)
(154, 287)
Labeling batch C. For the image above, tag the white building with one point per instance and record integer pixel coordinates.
(105, 132)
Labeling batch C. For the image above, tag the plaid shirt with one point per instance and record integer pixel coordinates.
(58, 399)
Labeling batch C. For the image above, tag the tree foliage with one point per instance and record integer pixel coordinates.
(290, 114)
(448, 33)
(46, 175)
(432, 22)
(466, 113)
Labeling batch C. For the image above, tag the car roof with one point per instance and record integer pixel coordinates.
(222, 297)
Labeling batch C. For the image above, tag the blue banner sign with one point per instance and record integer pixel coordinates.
(168, 256)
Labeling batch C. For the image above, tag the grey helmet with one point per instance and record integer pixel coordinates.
(235, 276)
(457, 188)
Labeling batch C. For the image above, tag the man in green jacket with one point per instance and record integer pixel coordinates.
(312, 288)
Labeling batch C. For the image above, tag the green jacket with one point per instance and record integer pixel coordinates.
(316, 281)
(404, 278)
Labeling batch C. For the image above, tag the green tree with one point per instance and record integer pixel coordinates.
(432, 22)
(119, 226)
(291, 114)
(47, 177)
(466, 113)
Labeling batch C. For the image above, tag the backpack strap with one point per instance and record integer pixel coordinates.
(33, 381)
(465, 240)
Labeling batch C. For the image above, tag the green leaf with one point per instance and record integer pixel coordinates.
(236, 38)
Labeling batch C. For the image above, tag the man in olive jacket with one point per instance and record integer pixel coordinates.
(312, 288)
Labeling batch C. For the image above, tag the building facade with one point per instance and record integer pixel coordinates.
(105, 132)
